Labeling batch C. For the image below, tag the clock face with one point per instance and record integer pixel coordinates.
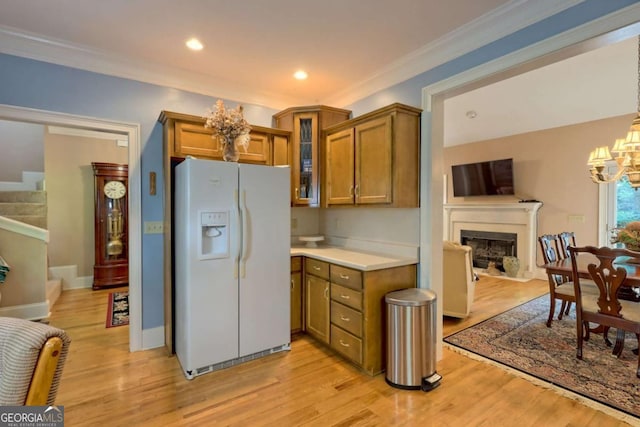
(115, 189)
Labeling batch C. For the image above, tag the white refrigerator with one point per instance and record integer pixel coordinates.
(232, 263)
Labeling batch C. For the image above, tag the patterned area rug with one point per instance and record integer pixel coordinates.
(520, 339)
(118, 309)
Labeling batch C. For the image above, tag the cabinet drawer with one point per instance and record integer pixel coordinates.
(346, 344)
(317, 268)
(296, 263)
(347, 318)
(346, 277)
(346, 296)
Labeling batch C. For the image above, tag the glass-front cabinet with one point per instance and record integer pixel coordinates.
(305, 182)
(306, 124)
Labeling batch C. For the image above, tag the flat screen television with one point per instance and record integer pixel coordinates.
(489, 178)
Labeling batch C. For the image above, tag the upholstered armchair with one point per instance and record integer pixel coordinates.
(458, 286)
(32, 356)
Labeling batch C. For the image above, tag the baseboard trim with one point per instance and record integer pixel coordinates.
(152, 338)
(37, 311)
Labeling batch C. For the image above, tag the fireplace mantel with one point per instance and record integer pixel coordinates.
(519, 218)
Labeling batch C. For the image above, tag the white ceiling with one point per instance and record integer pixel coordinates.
(350, 48)
(595, 85)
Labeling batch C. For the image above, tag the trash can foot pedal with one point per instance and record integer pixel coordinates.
(431, 382)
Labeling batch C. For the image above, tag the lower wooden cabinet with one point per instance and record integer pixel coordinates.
(317, 307)
(296, 294)
(345, 309)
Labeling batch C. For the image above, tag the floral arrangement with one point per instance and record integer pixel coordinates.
(229, 125)
(630, 236)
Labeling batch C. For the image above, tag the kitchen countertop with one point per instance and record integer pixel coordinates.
(351, 258)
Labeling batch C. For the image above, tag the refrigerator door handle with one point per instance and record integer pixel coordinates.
(245, 233)
(238, 236)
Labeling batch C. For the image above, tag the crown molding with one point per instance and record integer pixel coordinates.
(34, 46)
(504, 20)
(615, 26)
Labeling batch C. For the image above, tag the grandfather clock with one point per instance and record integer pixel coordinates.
(111, 266)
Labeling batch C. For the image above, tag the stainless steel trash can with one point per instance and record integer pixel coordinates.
(411, 339)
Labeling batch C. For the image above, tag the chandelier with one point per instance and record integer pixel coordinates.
(627, 152)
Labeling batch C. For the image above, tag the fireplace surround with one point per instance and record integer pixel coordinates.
(489, 246)
(515, 218)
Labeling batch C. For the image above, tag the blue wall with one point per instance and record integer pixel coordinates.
(34, 84)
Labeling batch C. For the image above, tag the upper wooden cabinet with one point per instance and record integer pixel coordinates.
(185, 135)
(374, 159)
(306, 124)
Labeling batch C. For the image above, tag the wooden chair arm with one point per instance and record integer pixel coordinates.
(43, 374)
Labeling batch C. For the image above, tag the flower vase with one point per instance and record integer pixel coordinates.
(230, 151)
(511, 266)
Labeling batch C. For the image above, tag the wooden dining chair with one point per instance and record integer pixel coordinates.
(604, 308)
(560, 287)
(566, 239)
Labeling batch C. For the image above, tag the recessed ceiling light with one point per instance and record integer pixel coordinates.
(194, 44)
(300, 75)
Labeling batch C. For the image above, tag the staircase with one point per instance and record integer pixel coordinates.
(29, 207)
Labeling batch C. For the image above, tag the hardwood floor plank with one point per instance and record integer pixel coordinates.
(104, 384)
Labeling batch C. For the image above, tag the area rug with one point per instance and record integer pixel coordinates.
(118, 309)
(520, 339)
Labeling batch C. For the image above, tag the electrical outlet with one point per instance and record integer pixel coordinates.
(153, 227)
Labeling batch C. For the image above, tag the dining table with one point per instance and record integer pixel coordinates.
(631, 265)
(563, 267)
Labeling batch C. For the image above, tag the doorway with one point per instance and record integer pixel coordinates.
(571, 43)
(131, 132)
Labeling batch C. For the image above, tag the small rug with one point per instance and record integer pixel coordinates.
(520, 339)
(118, 309)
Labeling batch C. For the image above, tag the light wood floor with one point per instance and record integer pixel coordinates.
(104, 384)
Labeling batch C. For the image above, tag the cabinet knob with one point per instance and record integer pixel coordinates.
(344, 344)
(345, 296)
(345, 319)
(344, 276)
(351, 190)
(316, 268)
(326, 292)
(292, 285)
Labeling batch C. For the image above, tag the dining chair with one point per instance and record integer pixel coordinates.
(566, 239)
(604, 308)
(559, 285)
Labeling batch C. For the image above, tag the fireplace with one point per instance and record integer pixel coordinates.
(511, 218)
(489, 246)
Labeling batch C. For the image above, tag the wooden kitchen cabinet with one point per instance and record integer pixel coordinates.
(185, 135)
(296, 294)
(346, 310)
(358, 317)
(317, 300)
(306, 124)
(374, 159)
